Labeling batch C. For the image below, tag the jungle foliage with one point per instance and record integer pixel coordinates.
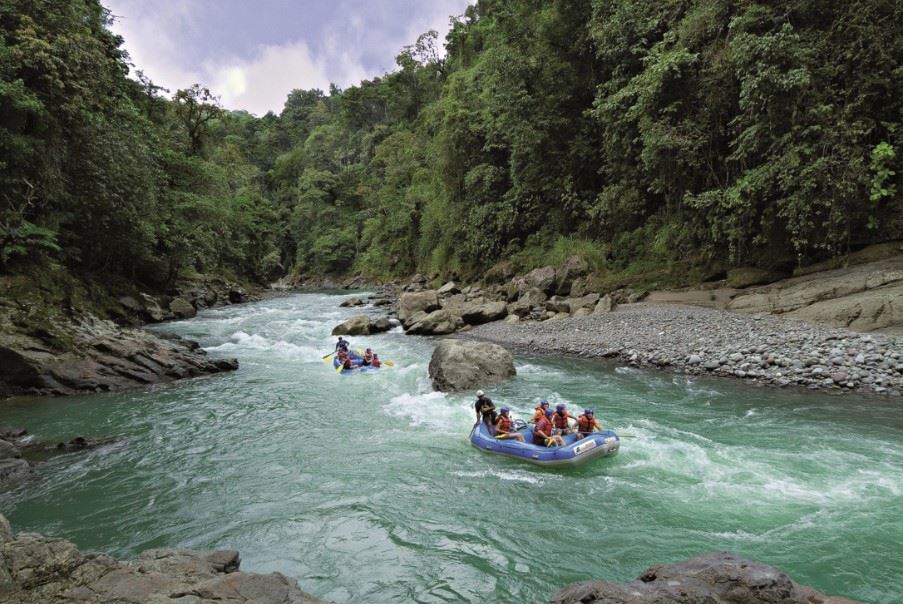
(674, 133)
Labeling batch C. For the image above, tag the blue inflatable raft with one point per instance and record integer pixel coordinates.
(574, 452)
(357, 364)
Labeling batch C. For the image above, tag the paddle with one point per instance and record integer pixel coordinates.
(328, 355)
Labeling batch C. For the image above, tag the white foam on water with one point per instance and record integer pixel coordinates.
(512, 475)
(430, 409)
(241, 340)
(628, 370)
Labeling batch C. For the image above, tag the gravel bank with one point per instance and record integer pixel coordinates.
(757, 348)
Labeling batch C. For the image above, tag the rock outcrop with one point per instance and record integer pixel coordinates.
(459, 365)
(87, 354)
(37, 569)
(709, 578)
(864, 297)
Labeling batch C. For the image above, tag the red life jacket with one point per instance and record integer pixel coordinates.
(586, 423)
(376, 362)
(542, 425)
(560, 421)
(504, 424)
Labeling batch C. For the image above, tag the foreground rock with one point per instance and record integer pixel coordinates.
(761, 349)
(37, 569)
(459, 365)
(709, 578)
(86, 354)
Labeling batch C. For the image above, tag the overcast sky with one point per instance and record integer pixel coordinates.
(252, 53)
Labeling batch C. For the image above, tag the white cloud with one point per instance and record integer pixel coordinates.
(262, 83)
(150, 41)
(160, 35)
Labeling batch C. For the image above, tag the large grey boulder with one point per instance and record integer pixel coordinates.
(463, 364)
(542, 279)
(448, 289)
(437, 323)
(182, 308)
(358, 325)
(710, 578)
(605, 305)
(587, 301)
(152, 310)
(413, 302)
(36, 569)
(570, 270)
(352, 302)
(477, 314)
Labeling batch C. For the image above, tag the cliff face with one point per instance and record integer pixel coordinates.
(87, 354)
(54, 341)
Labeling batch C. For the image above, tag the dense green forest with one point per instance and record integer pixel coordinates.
(683, 136)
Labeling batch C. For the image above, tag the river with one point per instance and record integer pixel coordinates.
(365, 487)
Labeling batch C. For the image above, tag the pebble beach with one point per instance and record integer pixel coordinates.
(763, 349)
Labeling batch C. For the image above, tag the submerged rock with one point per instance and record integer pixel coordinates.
(459, 365)
(37, 569)
(709, 578)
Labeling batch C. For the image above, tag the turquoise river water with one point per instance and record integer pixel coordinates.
(366, 489)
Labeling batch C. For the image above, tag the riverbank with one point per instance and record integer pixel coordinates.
(762, 349)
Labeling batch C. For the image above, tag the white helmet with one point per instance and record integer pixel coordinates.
(480, 393)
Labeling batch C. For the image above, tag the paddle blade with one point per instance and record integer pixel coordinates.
(388, 363)
(328, 355)
(339, 369)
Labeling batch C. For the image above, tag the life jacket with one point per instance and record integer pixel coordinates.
(560, 421)
(486, 406)
(586, 424)
(368, 358)
(542, 425)
(376, 362)
(504, 424)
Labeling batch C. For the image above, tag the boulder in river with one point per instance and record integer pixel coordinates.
(463, 364)
(352, 302)
(358, 325)
(37, 569)
(711, 577)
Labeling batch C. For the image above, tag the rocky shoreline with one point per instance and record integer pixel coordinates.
(37, 569)
(756, 348)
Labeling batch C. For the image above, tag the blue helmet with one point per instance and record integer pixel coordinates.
(560, 406)
(587, 411)
(504, 410)
(544, 403)
(549, 413)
